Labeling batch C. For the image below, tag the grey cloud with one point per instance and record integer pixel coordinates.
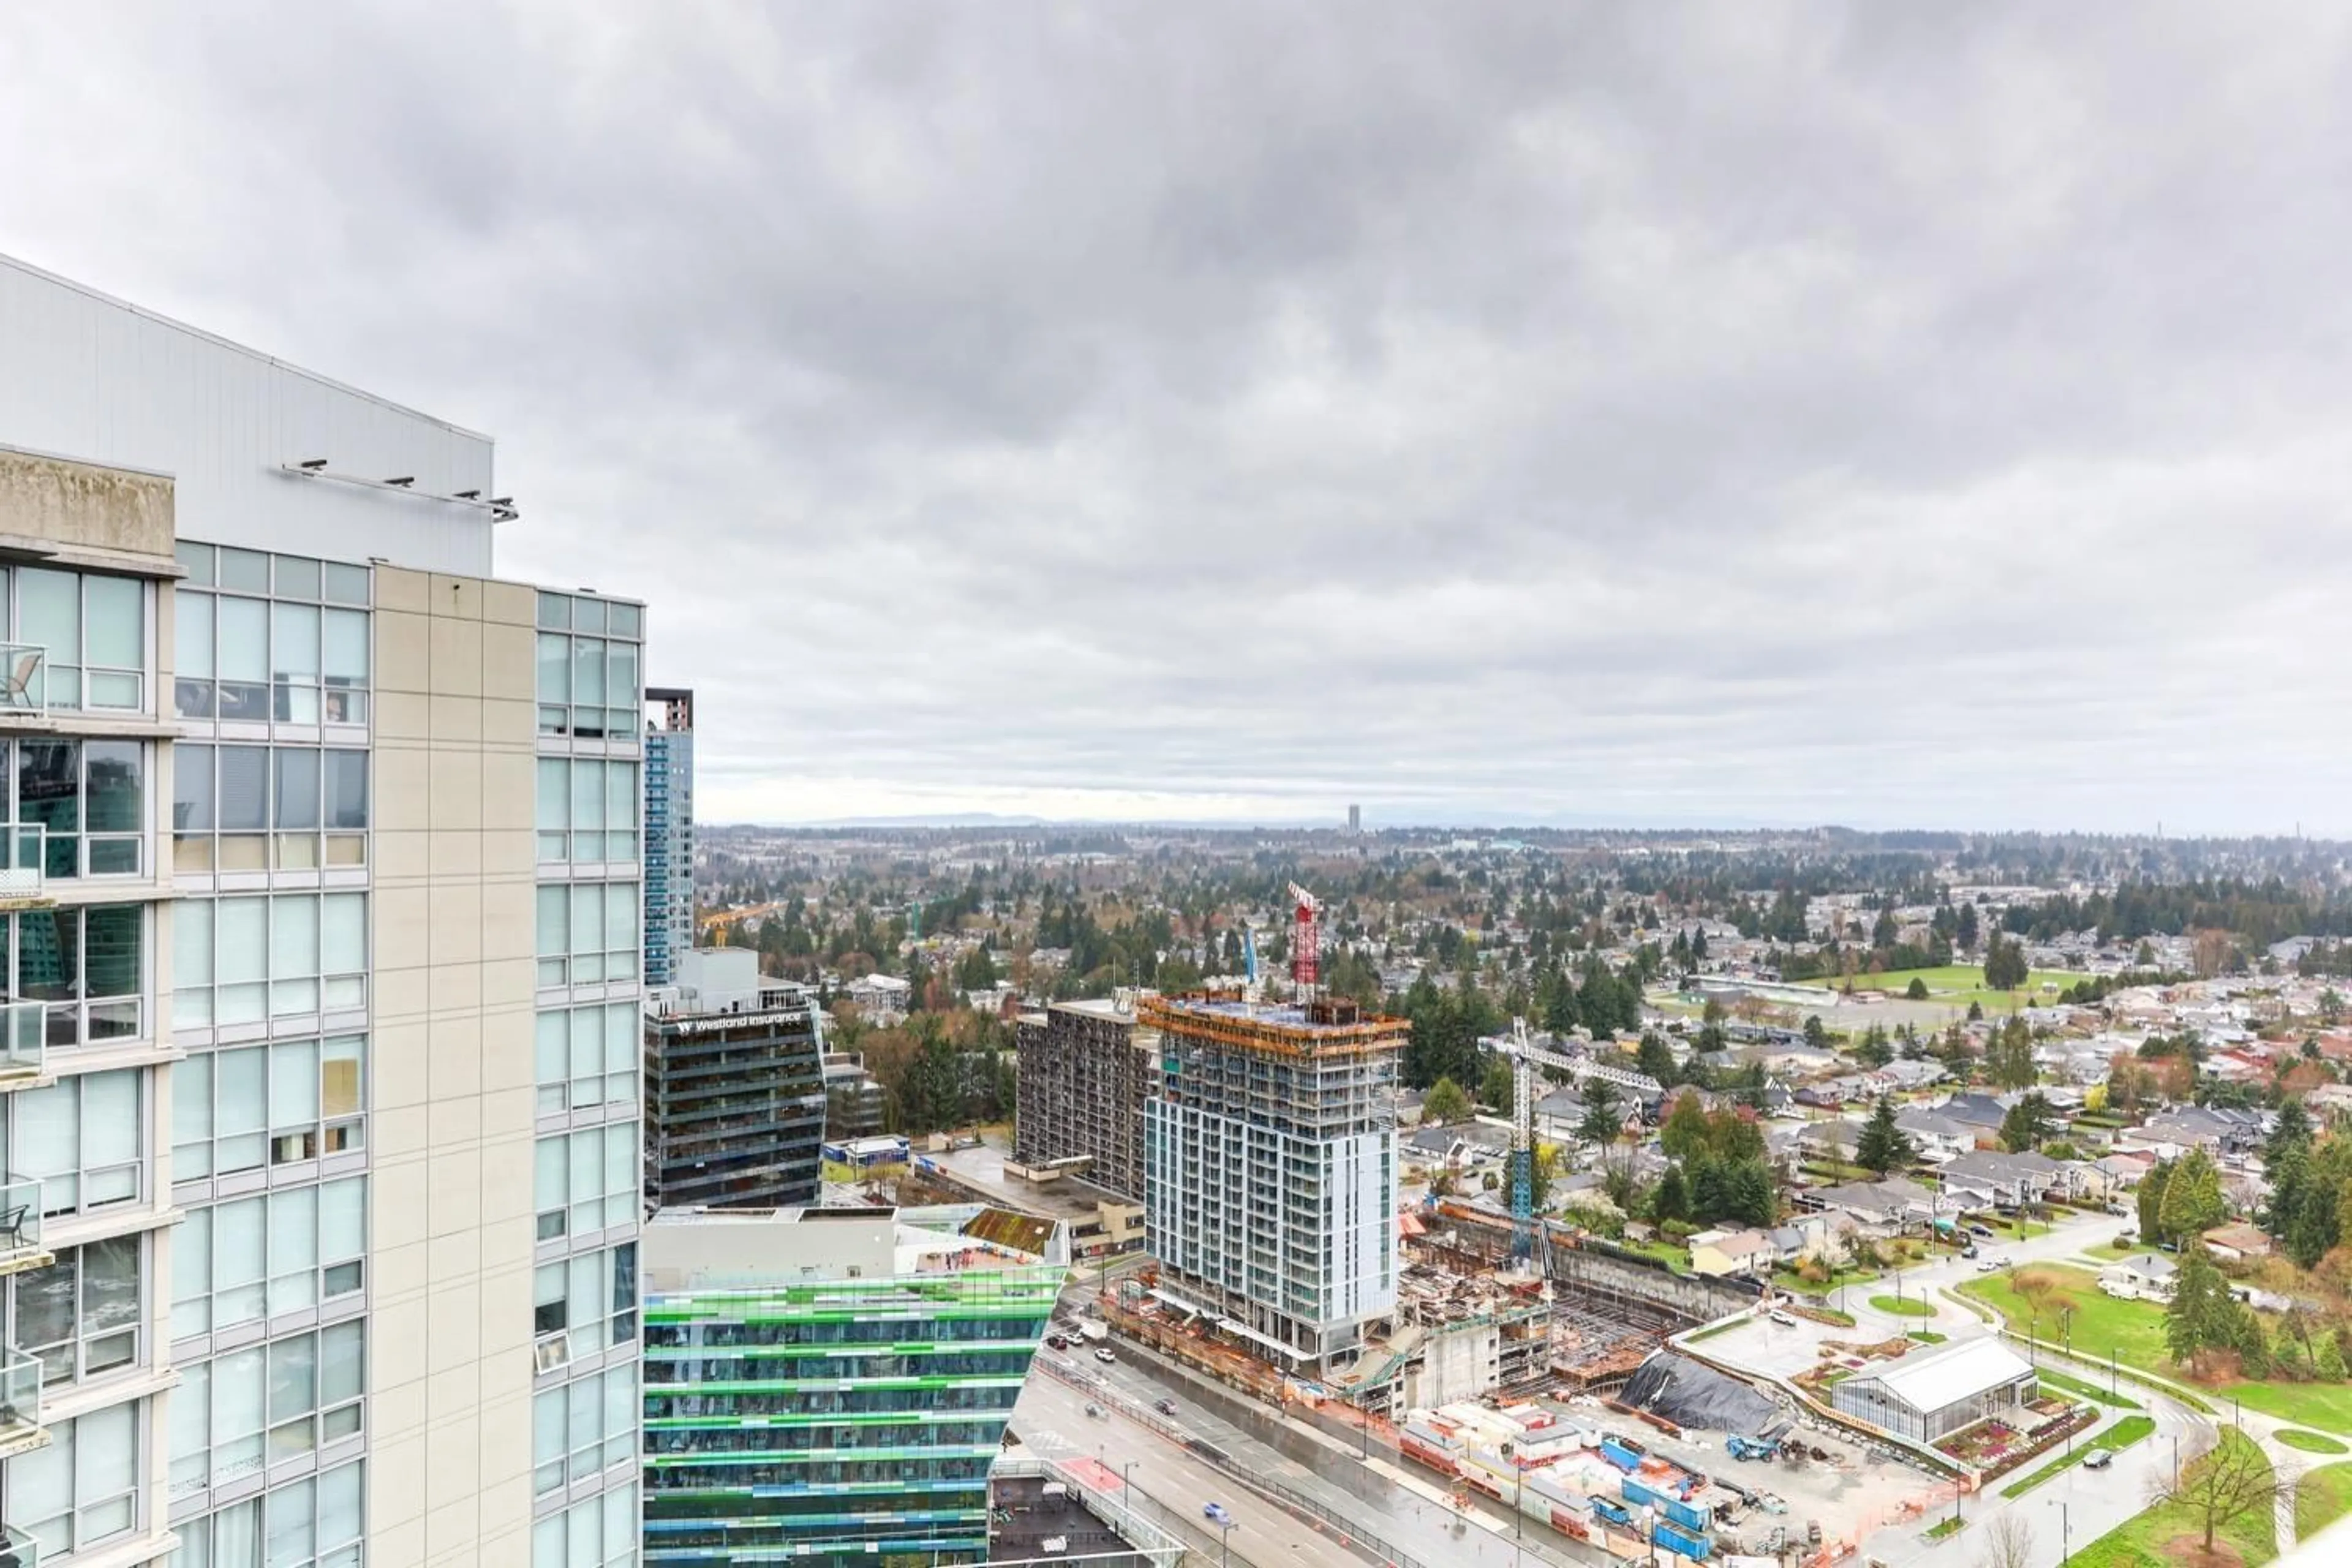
(1891, 414)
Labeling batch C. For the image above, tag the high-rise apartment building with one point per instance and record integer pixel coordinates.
(735, 1103)
(669, 832)
(321, 994)
(834, 1382)
(1082, 1072)
(1270, 1169)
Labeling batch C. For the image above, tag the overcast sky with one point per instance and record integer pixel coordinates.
(1889, 415)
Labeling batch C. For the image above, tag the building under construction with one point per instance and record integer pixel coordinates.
(1085, 1070)
(1271, 1171)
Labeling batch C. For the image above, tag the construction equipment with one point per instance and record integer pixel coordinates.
(1740, 1446)
(1304, 940)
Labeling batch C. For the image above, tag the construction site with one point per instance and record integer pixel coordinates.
(1084, 1071)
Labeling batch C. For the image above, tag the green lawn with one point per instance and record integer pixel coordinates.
(2141, 1541)
(1957, 984)
(1926, 1336)
(2119, 1437)
(1904, 1306)
(2082, 1390)
(2327, 1405)
(1951, 1524)
(2134, 1331)
(2321, 1497)
(1673, 1253)
(2113, 1249)
(2313, 1443)
(1788, 1280)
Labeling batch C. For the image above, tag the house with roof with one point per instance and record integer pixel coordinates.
(2236, 1242)
(2145, 1278)
(1878, 1208)
(1716, 1253)
(1933, 1394)
(1938, 1136)
(1985, 1113)
(1993, 1177)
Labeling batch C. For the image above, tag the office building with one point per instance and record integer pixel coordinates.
(1355, 819)
(834, 1382)
(1082, 1072)
(319, 1008)
(734, 1087)
(1270, 1170)
(669, 832)
(855, 1102)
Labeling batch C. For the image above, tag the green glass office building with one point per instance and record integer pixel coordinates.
(834, 1383)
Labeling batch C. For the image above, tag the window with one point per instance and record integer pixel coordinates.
(92, 631)
(586, 1180)
(588, 685)
(248, 808)
(588, 932)
(305, 1524)
(237, 1109)
(86, 964)
(592, 1298)
(79, 1137)
(241, 960)
(601, 1532)
(587, 810)
(81, 1315)
(87, 797)
(588, 1056)
(262, 1403)
(291, 658)
(245, 1259)
(84, 1487)
(583, 1427)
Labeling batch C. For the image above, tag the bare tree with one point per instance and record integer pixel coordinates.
(2009, 1542)
(2223, 1485)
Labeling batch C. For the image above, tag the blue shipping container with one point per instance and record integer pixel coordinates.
(1611, 1512)
(1618, 1455)
(1684, 1514)
(1681, 1542)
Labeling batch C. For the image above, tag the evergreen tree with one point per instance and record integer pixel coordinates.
(1686, 1131)
(2029, 1121)
(1882, 1145)
(2193, 1199)
(1875, 1048)
(2201, 1315)
(1495, 1088)
(1603, 1123)
(1672, 1200)
(1445, 1104)
(2009, 1058)
(1655, 1058)
(2152, 1201)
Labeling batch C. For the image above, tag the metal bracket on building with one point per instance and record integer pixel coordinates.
(500, 508)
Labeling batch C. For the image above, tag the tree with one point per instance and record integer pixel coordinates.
(2008, 1538)
(2231, 1481)
(1875, 1048)
(1882, 1145)
(1496, 1089)
(2029, 1121)
(2004, 963)
(1816, 1034)
(2150, 1201)
(2193, 1198)
(1445, 1104)
(2331, 1007)
(1603, 1123)
(1918, 990)
(1655, 1058)
(2327, 1361)
(1672, 1200)
(1687, 1130)
(2202, 1314)
(1965, 931)
(2009, 1058)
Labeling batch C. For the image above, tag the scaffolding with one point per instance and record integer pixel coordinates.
(1085, 1070)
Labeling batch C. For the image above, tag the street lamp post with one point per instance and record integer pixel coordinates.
(2065, 1546)
(1226, 1544)
(2111, 1373)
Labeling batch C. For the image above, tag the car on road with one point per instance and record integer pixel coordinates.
(1165, 1407)
(1987, 1264)
(2099, 1459)
(2004, 1261)
(1059, 1341)
(1786, 1320)
(1983, 1230)
(1969, 1250)
(1104, 1356)
(1215, 1512)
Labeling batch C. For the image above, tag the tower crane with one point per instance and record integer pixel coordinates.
(1528, 1238)
(1304, 940)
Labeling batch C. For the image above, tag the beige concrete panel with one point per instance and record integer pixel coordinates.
(457, 987)
(455, 720)
(457, 1121)
(401, 856)
(457, 1332)
(167, 624)
(396, 1273)
(453, 1458)
(403, 653)
(506, 1439)
(510, 1240)
(403, 787)
(508, 1053)
(401, 993)
(456, 853)
(510, 791)
(508, 1110)
(512, 603)
(396, 1333)
(398, 1410)
(509, 722)
(402, 716)
(506, 1314)
(399, 1133)
(396, 1475)
(452, 1395)
(396, 1064)
(504, 1501)
(453, 1535)
(511, 662)
(86, 504)
(455, 935)
(458, 596)
(403, 931)
(457, 657)
(398, 588)
(508, 1174)
(457, 1255)
(508, 981)
(457, 790)
(453, 1057)
(510, 920)
(398, 1545)
(509, 855)
(396, 1205)
(456, 1175)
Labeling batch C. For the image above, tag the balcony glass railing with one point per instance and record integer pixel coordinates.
(24, 1044)
(20, 1220)
(24, 677)
(24, 854)
(20, 1394)
(19, 1550)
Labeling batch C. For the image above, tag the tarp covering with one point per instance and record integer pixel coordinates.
(1690, 1393)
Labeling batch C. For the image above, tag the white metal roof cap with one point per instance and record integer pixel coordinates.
(1953, 1372)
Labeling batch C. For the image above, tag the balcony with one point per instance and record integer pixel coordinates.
(20, 1226)
(24, 859)
(20, 1404)
(24, 1045)
(23, 680)
(19, 1550)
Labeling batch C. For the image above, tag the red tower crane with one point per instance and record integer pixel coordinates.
(1304, 940)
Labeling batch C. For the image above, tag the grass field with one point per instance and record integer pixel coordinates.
(1957, 984)
(2312, 1442)
(2082, 1389)
(1926, 1336)
(1904, 1306)
(2145, 1540)
(2134, 1332)
(2321, 1497)
(2119, 1437)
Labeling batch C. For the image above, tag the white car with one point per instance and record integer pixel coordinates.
(1786, 1320)
(1987, 1264)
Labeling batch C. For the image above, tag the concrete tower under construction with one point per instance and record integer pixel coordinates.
(1270, 1170)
